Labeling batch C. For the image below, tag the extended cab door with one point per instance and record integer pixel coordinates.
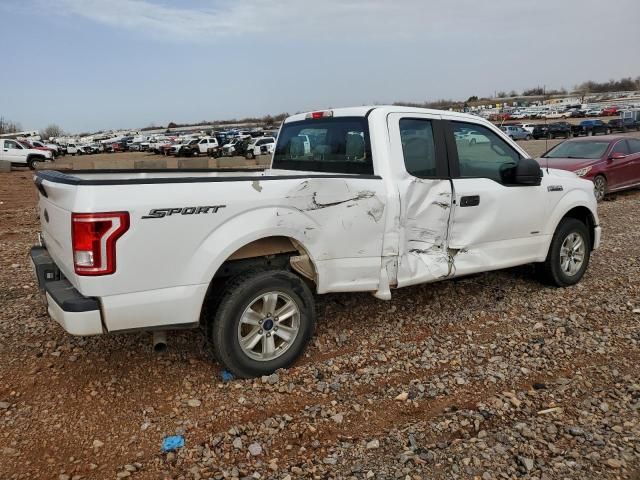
(494, 223)
(418, 148)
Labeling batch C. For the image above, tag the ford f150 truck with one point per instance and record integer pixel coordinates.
(356, 199)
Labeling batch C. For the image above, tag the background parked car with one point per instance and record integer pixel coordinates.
(19, 153)
(594, 112)
(610, 111)
(612, 163)
(540, 131)
(73, 149)
(560, 129)
(52, 147)
(591, 127)
(516, 133)
(577, 114)
(260, 146)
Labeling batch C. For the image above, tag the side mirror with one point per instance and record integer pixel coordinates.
(528, 172)
(616, 156)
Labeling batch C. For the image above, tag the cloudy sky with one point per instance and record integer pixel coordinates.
(97, 64)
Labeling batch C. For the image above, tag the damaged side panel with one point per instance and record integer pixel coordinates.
(350, 215)
(426, 210)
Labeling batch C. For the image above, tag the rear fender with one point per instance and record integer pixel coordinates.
(248, 227)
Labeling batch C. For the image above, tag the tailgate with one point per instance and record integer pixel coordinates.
(54, 208)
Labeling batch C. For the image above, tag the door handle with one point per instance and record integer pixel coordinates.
(470, 201)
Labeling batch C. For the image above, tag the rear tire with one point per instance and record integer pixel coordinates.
(250, 309)
(569, 253)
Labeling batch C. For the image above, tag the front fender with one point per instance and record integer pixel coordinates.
(245, 228)
(572, 199)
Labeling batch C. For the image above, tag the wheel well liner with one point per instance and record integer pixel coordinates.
(584, 215)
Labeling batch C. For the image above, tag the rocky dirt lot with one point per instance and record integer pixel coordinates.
(491, 376)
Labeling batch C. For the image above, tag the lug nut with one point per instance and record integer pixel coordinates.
(260, 331)
(268, 334)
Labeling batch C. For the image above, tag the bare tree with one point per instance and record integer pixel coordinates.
(51, 131)
(7, 126)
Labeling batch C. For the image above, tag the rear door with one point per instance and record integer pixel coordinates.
(634, 151)
(494, 223)
(621, 171)
(418, 142)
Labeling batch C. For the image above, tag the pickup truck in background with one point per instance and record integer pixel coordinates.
(591, 127)
(195, 147)
(356, 199)
(22, 154)
(260, 146)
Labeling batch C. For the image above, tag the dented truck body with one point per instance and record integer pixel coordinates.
(361, 199)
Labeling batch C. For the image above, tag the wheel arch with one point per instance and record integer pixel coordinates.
(584, 215)
(273, 251)
(578, 203)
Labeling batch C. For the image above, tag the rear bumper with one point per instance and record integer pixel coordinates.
(77, 314)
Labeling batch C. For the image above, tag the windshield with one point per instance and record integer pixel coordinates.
(336, 145)
(581, 149)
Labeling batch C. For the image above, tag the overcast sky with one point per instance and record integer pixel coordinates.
(99, 64)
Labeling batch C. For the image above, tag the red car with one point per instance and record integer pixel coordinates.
(612, 163)
(610, 111)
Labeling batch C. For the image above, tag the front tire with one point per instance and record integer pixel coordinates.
(263, 321)
(600, 187)
(569, 253)
(33, 163)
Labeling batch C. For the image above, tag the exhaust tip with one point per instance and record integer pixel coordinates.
(159, 341)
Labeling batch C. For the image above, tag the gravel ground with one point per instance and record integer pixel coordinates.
(491, 376)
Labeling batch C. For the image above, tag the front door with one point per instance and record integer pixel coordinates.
(494, 224)
(425, 199)
(13, 152)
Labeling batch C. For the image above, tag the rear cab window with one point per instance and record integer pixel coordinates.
(332, 145)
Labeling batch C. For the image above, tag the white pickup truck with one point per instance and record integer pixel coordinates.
(356, 199)
(21, 154)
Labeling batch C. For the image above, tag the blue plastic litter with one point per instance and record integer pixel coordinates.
(172, 443)
(227, 376)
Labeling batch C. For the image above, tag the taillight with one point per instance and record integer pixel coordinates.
(321, 114)
(93, 236)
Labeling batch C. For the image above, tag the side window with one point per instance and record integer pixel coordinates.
(418, 147)
(634, 145)
(621, 147)
(484, 154)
